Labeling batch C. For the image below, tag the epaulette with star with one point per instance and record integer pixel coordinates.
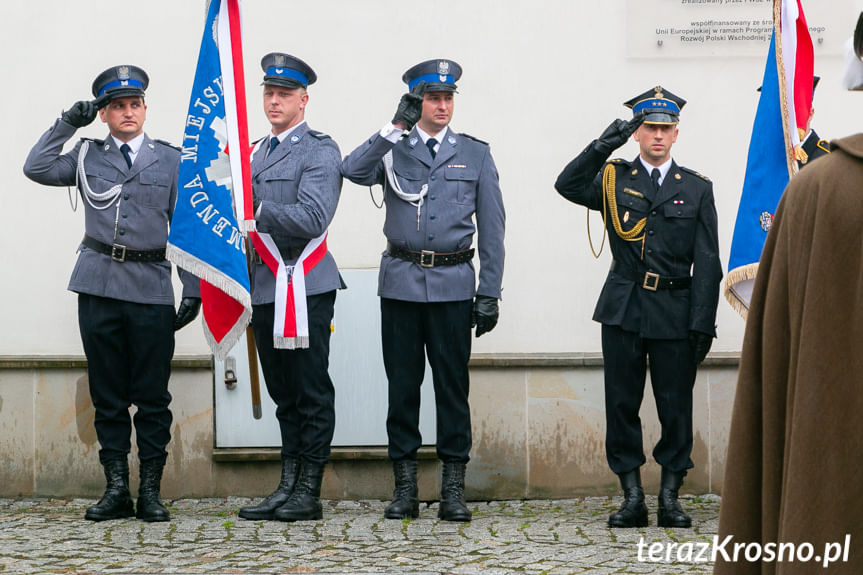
(94, 140)
(619, 162)
(824, 145)
(694, 173)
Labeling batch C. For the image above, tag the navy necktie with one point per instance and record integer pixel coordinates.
(430, 144)
(126, 149)
(273, 143)
(654, 175)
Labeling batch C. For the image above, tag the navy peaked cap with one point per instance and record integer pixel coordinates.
(286, 70)
(121, 81)
(658, 105)
(439, 75)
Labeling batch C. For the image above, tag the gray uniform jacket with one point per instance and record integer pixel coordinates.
(146, 204)
(299, 185)
(463, 183)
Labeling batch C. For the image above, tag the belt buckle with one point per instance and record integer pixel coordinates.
(118, 253)
(647, 284)
(427, 259)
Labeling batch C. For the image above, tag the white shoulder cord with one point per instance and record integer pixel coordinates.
(113, 193)
(412, 199)
(89, 195)
(73, 202)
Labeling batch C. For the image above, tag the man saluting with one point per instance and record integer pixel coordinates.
(660, 296)
(125, 299)
(435, 182)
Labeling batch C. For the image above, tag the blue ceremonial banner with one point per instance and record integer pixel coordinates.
(767, 175)
(205, 238)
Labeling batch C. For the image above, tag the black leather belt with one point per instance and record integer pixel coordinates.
(291, 253)
(651, 281)
(429, 259)
(120, 253)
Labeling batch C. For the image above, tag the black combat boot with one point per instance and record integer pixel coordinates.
(304, 504)
(671, 514)
(150, 506)
(633, 512)
(452, 504)
(116, 503)
(405, 502)
(266, 508)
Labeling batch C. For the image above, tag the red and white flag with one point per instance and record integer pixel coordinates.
(798, 64)
(780, 123)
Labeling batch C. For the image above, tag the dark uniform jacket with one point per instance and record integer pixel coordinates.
(814, 148)
(462, 184)
(680, 239)
(146, 205)
(299, 185)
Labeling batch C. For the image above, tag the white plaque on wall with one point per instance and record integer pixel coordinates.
(727, 28)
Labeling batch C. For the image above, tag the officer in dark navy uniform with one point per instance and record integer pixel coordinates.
(435, 182)
(659, 299)
(296, 185)
(813, 146)
(128, 182)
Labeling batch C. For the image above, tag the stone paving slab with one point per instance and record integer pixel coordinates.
(540, 537)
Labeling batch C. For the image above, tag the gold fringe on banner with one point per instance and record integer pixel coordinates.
(211, 275)
(735, 276)
(790, 156)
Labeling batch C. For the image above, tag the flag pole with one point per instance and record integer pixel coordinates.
(246, 178)
(252, 349)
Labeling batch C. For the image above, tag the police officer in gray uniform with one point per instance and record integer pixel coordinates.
(128, 182)
(659, 299)
(435, 181)
(296, 186)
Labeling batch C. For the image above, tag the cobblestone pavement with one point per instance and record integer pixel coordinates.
(206, 536)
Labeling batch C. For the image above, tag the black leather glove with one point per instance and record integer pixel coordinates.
(700, 344)
(616, 134)
(189, 308)
(80, 114)
(410, 107)
(485, 314)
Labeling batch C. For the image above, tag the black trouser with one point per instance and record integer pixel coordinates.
(672, 375)
(409, 330)
(129, 347)
(299, 382)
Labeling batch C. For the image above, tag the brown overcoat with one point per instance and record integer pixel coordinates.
(794, 471)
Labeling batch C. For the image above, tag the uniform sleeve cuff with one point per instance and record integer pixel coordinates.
(391, 133)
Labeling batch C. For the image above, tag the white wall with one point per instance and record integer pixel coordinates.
(541, 80)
